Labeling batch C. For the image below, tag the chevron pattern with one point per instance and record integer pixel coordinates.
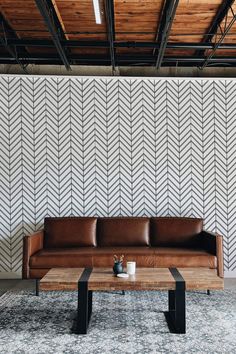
(123, 146)
(230, 239)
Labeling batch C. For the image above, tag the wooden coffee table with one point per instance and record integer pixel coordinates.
(175, 281)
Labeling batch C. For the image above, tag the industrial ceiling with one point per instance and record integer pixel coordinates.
(118, 33)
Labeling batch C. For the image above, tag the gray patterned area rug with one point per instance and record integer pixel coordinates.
(133, 323)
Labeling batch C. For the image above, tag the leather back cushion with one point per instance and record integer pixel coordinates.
(69, 232)
(175, 232)
(123, 231)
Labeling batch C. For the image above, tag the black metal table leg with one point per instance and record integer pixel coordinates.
(176, 315)
(90, 304)
(171, 300)
(37, 287)
(84, 304)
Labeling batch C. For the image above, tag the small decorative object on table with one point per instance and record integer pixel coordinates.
(131, 268)
(118, 264)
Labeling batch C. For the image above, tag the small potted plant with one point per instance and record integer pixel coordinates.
(118, 264)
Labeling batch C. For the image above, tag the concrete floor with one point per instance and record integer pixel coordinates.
(8, 284)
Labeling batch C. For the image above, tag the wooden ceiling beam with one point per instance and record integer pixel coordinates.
(110, 19)
(53, 24)
(167, 18)
(60, 23)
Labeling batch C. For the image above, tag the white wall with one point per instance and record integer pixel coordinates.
(115, 146)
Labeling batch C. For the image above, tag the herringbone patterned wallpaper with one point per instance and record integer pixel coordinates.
(83, 146)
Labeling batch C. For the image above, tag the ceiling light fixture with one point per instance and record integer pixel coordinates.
(97, 12)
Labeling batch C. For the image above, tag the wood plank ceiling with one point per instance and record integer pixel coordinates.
(139, 31)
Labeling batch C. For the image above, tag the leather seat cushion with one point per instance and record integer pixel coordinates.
(70, 232)
(62, 257)
(183, 257)
(123, 231)
(175, 232)
(143, 256)
(103, 257)
(89, 257)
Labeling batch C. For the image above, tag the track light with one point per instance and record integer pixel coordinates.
(97, 12)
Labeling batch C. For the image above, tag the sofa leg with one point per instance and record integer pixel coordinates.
(208, 292)
(123, 292)
(37, 287)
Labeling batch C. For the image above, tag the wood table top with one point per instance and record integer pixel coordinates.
(144, 279)
(61, 279)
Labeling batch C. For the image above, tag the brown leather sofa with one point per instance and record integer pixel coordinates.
(92, 242)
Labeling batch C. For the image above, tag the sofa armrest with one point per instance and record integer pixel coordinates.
(31, 244)
(213, 243)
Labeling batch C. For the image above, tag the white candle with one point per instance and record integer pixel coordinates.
(131, 267)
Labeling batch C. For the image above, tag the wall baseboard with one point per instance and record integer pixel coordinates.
(10, 275)
(230, 273)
